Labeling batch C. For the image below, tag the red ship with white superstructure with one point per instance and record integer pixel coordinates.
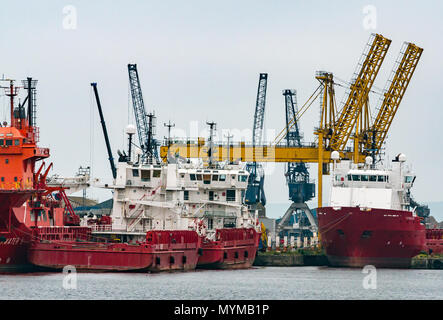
(25, 200)
(369, 220)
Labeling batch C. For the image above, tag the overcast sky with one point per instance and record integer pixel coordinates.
(200, 60)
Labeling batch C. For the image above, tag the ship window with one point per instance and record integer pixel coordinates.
(156, 174)
(6, 161)
(222, 177)
(2, 142)
(381, 179)
(3, 179)
(230, 195)
(242, 178)
(9, 142)
(146, 175)
(215, 177)
(211, 195)
(192, 177)
(186, 195)
(15, 179)
(364, 178)
(372, 178)
(229, 223)
(17, 142)
(206, 178)
(340, 233)
(135, 173)
(199, 177)
(355, 177)
(349, 177)
(210, 224)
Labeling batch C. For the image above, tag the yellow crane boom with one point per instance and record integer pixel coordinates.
(373, 57)
(398, 82)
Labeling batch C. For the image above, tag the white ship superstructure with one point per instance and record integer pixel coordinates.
(364, 186)
(176, 196)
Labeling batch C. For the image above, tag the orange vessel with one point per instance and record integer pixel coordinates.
(23, 197)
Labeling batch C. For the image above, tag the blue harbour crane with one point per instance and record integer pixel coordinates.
(255, 193)
(301, 189)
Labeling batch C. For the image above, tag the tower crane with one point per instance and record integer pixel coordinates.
(145, 122)
(255, 192)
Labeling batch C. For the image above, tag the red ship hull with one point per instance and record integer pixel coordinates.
(355, 237)
(178, 254)
(14, 236)
(234, 249)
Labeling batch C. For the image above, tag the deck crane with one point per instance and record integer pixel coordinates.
(301, 189)
(145, 122)
(255, 192)
(336, 127)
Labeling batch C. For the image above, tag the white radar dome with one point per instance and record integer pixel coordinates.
(130, 129)
(402, 157)
(335, 155)
(368, 160)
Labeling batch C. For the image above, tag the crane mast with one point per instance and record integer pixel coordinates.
(255, 192)
(145, 122)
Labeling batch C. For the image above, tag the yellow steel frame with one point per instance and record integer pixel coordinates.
(359, 91)
(248, 153)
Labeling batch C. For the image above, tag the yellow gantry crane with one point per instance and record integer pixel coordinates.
(352, 121)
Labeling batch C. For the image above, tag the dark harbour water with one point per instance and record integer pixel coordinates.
(257, 283)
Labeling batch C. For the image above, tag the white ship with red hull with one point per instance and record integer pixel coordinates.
(369, 220)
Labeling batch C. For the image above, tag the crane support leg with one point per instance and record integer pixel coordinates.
(320, 170)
